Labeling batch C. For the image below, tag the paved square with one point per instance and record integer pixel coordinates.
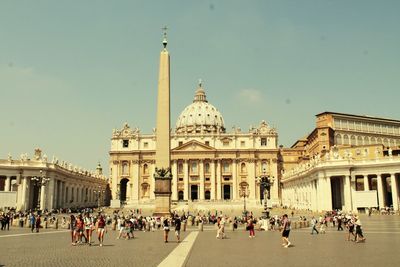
(52, 248)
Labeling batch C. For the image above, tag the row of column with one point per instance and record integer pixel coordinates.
(56, 194)
(319, 194)
(216, 182)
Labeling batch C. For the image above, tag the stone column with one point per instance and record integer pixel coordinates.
(185, 180)
(234, 179)
(135, 181)
(50, 196)
(251, 179)
(347, 193)
(174, 187)
(327, 193)
(381, 192)
(23, 203)
(42, 197)
(366, 183)
(201, 169)
(395, 191)
(7, 186)
(219, 189)
(115, 180)
(212, 167)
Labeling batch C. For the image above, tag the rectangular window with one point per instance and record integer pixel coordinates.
(263, 141)
(226, 167)
(145, 144)
(125, 143)
(180, 143)
(193, 167)
(180, 179)
(242, 143)
(359, 183)
(225, 143)
(207, 178)
(207, 143)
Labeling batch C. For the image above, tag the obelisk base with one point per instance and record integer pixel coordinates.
(162, 194)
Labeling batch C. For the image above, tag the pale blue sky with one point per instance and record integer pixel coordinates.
(71, 71)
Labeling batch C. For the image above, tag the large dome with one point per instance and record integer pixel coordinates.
(200, 116)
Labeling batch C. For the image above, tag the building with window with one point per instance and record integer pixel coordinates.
(347, 162)
(35, 183)
(210, 165)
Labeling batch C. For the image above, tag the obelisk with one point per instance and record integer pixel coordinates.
(162, 175)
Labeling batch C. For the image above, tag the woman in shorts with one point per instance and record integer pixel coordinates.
(101, 229)
(72, 226)
(79, 226)
(88, 228)
(166, 229)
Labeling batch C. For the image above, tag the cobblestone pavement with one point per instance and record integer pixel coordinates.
(52, 248)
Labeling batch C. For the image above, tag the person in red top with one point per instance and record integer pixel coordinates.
(101, 229)
(79, 229)
(250, 227)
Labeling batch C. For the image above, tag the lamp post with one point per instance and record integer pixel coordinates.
(266, 182)
(98, 193)
(244, 192)
(41, 181)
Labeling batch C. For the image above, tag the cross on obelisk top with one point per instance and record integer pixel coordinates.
(164, 29)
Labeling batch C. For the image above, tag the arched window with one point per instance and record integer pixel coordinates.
(385, 142)
(366, 140)
(124, 168)
(360, 141)
(243, 167)
(338, 139)
(379, 141)
(373, 141)
(180, 195)
(264, 167)
(145, 169)
(353, 140)
(345, 139)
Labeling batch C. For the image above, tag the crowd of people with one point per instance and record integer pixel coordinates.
(83, 224)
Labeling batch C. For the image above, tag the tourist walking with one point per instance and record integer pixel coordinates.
(101, 229)
(178, 228)
(220, 228)
(250, 227)
(285, 231)
(32, 221)
(339, 223)
(72, 228)
(88, 228)
(323, 223)
(359, 234)
(314, 225)
(37, 223)
(166, 229)
(350, 228)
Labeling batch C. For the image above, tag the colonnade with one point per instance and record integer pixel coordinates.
(322, 190)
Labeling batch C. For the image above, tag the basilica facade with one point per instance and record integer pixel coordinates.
(209, 165)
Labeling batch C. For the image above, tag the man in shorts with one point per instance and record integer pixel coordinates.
(285, 231)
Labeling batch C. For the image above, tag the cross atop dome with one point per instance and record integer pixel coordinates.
(200, 95)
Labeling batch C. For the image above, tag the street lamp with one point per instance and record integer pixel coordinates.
(244, 192)
(41, 181)
(98, 193)
(265, 181)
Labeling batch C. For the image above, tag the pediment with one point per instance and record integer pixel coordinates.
(194, 146)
